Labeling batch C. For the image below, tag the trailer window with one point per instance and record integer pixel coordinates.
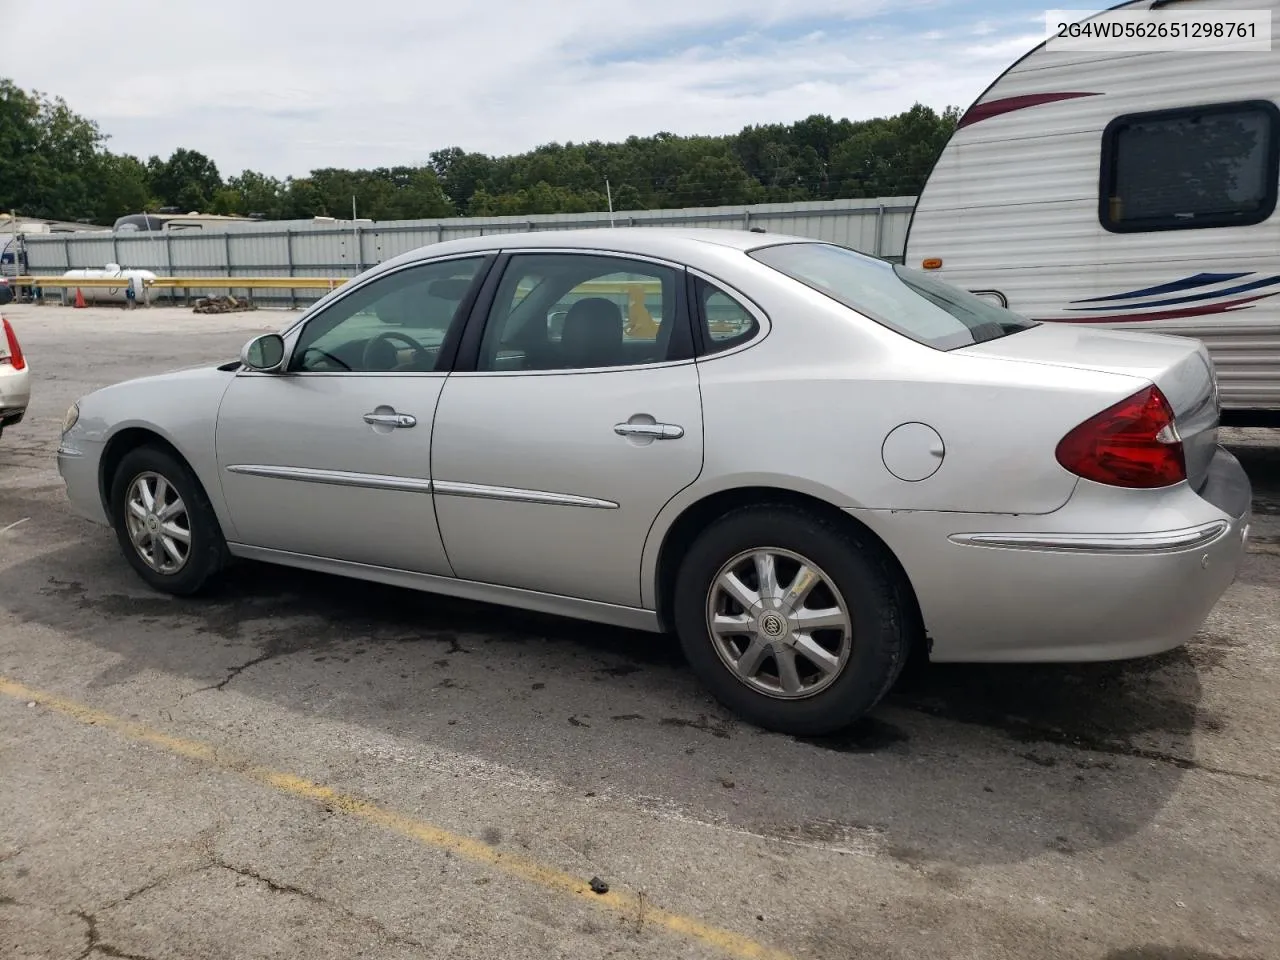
(911, 303)
(1192, 168)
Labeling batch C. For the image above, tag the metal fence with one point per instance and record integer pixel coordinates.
(329, 248)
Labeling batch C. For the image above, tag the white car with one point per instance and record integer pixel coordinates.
(15, 378)
(802, 460)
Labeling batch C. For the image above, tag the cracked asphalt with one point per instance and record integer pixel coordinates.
(306, 767)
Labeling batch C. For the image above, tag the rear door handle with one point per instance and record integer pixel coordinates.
(391, 419)
(658, 431)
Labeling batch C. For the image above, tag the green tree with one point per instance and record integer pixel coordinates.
(892, 156)
(19, 145)
(47, 156)
(481, 203)
(188, 180)
(226, 202)
(461, 173)
(418, 195)
(711, 180)
(122, 188)
(627, 197)
(258, 193)
(301, 199)
(54, 163)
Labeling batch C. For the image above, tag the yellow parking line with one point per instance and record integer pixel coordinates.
(626, 904)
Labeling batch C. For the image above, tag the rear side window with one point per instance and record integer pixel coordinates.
(1193, 168)
(911, 303)
(726, 323)
(577, 311)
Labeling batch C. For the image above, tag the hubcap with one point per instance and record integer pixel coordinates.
(778, 623)
(158, 525)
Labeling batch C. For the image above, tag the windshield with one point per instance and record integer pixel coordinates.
(912, 303)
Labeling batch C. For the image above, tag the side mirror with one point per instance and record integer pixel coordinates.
(263, 354)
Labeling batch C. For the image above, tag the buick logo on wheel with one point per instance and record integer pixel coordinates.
(772, 625)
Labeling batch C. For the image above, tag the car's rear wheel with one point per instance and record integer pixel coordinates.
(165, 523)
(792, 622)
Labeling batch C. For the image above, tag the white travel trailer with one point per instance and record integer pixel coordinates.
(1133, 190)
(170, 222)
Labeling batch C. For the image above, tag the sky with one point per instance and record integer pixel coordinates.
(287, 86)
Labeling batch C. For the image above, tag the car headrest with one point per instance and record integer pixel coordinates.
(592, 334)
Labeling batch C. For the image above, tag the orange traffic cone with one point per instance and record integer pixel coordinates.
(79, 299)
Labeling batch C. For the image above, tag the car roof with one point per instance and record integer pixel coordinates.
(678, 243)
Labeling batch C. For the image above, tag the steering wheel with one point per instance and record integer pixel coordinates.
(327, 355)
(386, 337)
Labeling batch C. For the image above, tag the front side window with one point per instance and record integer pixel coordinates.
(1193, 168)
(580, 311)
(396, 324)
(907, 301)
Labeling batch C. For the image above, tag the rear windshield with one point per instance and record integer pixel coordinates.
(910, 302)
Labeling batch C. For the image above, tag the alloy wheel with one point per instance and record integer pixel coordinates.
(779, 623)
(158, 523)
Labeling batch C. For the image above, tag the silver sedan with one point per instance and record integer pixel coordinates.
(806, 462)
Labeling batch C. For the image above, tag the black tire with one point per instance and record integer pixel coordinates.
(207, 553)
(869, 583)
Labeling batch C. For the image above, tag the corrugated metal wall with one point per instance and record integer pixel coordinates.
(309, 248)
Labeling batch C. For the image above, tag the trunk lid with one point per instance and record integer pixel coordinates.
(1179, 366)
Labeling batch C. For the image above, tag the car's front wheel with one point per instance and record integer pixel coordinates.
(165, 523)
(794, 623)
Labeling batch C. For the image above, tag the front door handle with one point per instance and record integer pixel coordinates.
(657, 431)
(390, 419)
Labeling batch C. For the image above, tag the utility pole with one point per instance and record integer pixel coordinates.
(355, 233)
(609, 193)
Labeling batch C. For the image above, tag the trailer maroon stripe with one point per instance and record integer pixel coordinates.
(1227, 307)
(994, 108)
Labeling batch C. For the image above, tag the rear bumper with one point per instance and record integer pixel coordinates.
(15, 394)
(1079, 584)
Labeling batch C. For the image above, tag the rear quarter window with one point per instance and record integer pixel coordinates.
(911, 303)
(726, 323)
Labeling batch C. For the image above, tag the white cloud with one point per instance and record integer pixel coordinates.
(285, 86)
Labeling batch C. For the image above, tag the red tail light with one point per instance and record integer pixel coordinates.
(1132, 444)
(15, 357)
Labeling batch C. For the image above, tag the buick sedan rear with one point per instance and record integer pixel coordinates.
(15, 378)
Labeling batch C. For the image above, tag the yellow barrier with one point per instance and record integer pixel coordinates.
(201, 283)
(186, 284)
(249, 283)
(116, 283)
(284, 283)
